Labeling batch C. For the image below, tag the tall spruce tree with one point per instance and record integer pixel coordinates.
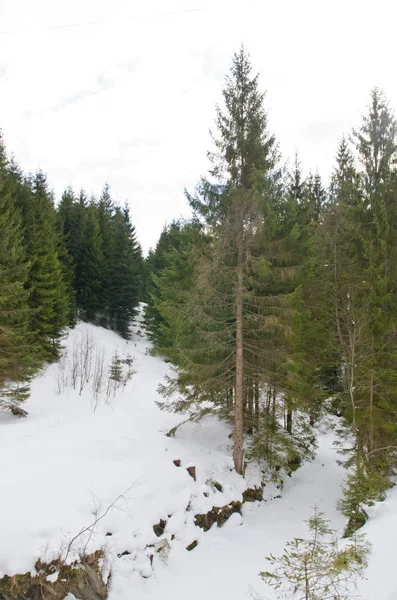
(90, 283)
(48, 294)
(105, 211)
(376, 144)
(17, 350)
(358, 248)
(124, 286)
(228, 313)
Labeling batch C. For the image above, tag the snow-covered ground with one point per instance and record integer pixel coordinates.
(73, 457)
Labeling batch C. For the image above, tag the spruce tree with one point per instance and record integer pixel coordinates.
(318, 568)
(157, 261)
(124, 286)
(17, 350)
(105, 211)
(358, 238)
(48, 294)
(90, 287)
(227, 315)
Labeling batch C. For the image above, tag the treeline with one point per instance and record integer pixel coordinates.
(277, 301)
(107, 266)
(57, 264)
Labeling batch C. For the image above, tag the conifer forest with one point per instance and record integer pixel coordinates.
(272, 307)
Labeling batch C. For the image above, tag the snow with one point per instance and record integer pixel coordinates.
(75, 461)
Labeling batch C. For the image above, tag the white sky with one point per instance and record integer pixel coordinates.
(129, 100)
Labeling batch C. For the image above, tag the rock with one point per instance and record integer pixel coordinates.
(159, 527)
(192, 546)
(217, 515)
(81, 579)
(191, 469)
(253, 494)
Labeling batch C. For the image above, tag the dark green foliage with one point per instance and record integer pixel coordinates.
(365, 485)
(235, 294)
(103, 259)
(89, 293)
(71, 214)
(356, 270)
(125, 281)
(17, 350)
(169, 267)
(83, 258)
(48, 293)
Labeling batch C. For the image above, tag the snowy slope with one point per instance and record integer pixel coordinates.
(64, 466)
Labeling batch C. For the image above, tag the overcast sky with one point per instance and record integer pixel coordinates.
(121, 91)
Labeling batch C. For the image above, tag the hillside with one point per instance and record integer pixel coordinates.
(68, 462)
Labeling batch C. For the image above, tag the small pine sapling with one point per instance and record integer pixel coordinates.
(318, 568)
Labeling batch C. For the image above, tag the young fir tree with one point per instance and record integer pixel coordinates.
(318, 568)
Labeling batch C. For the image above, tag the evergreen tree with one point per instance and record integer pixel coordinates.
(90, 288)
(315, 198)
(227, 313)
(158, 259)
(48, 294)
(318, 568)
(358, 238)
(66, 248)
(17, 351)
(105, 211)
(124, 286)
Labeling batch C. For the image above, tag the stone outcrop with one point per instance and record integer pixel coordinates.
(55, 580)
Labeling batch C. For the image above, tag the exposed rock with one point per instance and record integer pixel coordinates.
(217, 515)
(191, 469)
(81, 578)
(125, 553)
(253, 494)
(192, 545)
(217, 486)
(159, 527)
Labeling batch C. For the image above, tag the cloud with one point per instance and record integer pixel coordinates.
(105, 80)
(131, 102)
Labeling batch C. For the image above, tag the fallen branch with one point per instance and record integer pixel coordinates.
(92, 526)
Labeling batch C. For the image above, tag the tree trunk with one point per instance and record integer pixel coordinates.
(250, 405)
(239, 398)
(371, 413)
(274, 409)
(289, 415)
(256, 401)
